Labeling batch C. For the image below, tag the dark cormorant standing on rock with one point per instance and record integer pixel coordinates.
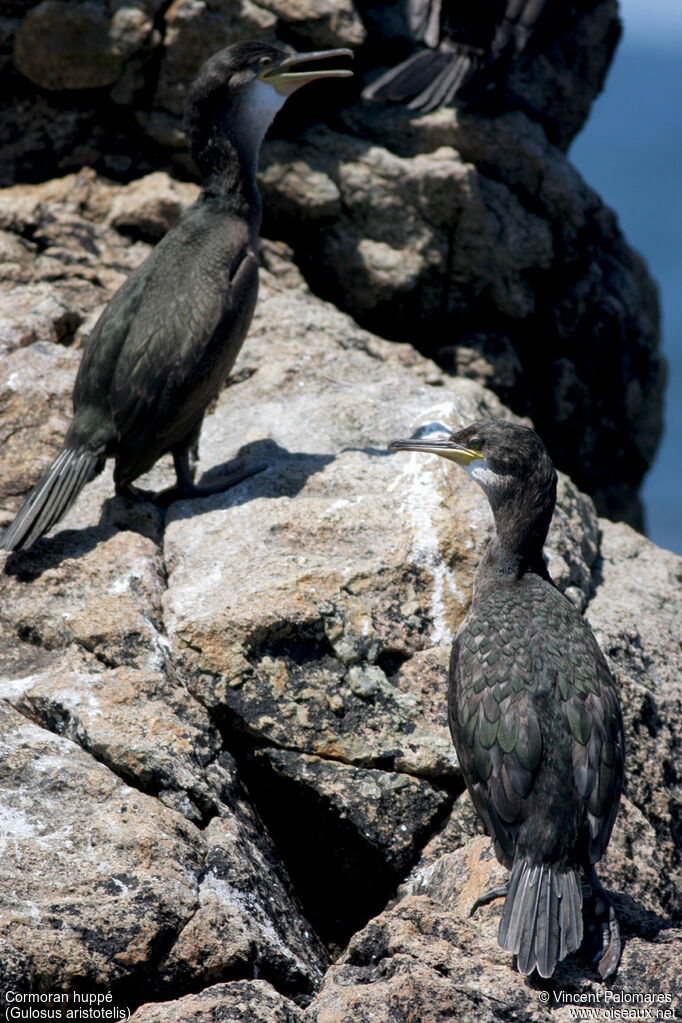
(164, 345)
(461, 40)
(533, 711)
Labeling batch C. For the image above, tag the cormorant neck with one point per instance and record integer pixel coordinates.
(522, 518)
(225, 142)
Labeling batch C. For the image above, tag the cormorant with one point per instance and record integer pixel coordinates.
(167, 340)
(461, 40)
(533, 711)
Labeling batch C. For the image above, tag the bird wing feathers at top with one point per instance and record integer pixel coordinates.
(186, 309)
(423, 19)
(531, 692)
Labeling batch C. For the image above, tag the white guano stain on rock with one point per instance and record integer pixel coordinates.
(420, 503)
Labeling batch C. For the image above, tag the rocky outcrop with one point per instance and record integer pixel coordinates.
(466, 233)
(228, 789)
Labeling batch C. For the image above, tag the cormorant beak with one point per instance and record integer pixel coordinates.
(445, 448)
(285, 79)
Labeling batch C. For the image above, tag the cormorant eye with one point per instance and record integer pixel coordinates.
(265, 61)
(476, 444)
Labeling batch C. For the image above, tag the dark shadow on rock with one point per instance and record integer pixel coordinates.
(636, 920)
(117, 514)
(49, 552)
(285, 473)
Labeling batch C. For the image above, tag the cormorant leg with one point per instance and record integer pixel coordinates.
(499, 891)
(131, 493)
(607, 955)
(186, 487)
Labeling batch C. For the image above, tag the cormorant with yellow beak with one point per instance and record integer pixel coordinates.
(164, 345)
(533, 711)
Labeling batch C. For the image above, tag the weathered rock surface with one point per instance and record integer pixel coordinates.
(63, 45)
(425, 959)
(477, 241)
(103, 885)
(254, 1000)
(465, 232)
(258, 678)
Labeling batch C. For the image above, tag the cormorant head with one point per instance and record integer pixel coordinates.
(238, 91)
(512, 465)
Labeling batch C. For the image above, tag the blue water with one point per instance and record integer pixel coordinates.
(631, 153)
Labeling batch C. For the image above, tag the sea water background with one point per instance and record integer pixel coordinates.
(631, 152)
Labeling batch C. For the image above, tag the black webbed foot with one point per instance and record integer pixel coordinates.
(498, 891)
(603, 931)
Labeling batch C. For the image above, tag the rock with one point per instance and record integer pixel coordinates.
(149, 207)
(60, 261)
(636, 619)
(146, 729)
(39, 377)
(175, 905)
(254, 1000)
(425, 958)
(80, 900)
(260, 676)
(314, 24)
(63, 45)
(194, 31)
(449, 230)
(347, 833)
(247, 921)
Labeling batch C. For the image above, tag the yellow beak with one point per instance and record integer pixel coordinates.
(286, 79)
(445, 448)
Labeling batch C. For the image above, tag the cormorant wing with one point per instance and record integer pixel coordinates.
(494, 724)
(168, 338)
(594, 719)
(423, 19)
(517, 26)
(517, 698)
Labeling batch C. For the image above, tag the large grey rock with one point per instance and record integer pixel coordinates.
(63, 45)
(95, 876)
(254, 1000)
(636, 617)
(426, 959)
(261, 674)
(454, 231)
(175, 905)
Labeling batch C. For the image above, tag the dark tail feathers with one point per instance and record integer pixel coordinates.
(542, 919)
(425, 81)
(51, 497)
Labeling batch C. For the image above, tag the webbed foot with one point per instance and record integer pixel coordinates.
(606, 941)
(499, 891)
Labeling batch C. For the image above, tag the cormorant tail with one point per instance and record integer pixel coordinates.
(425, 81)
(542, 918)
(51, 497)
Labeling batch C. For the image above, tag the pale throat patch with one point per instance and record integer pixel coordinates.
(262, 104)
(480, 471)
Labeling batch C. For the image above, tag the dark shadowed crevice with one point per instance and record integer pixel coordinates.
(341, 874)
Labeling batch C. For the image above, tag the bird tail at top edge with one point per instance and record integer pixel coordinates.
(542, 918)
(425, 81)
(51, 497)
